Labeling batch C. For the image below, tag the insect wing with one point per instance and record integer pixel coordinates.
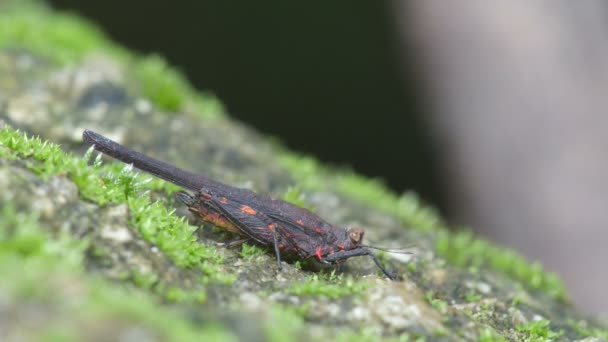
(257, 224)
(249, 220)
(296, 241)
(303, 230)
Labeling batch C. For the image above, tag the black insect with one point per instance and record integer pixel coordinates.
(291, 231)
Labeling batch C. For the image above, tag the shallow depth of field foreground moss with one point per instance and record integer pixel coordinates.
(79, 300)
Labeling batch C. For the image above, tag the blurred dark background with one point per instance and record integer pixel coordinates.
(326, 80)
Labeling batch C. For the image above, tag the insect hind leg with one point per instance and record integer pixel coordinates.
(276, 248)
(185, 198)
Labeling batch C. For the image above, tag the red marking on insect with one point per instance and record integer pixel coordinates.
(248, 210)
(319, 253)
(292, 231)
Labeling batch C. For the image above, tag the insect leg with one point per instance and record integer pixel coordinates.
(185, 198)
(343, 255)
(276, 248)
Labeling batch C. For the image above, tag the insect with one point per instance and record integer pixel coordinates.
(290, 230)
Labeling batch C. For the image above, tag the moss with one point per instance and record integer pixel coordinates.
(539, 331)
(294, 195)
(583, 328)
(407, 207)
(472, 296)
(171, 90)
(439, 304)
(306, 170)
(65, 39)
(286, 324)
(144, 280)
(466, 250)
(177, 294)
(283, 324)
(250, 251)
(369, 334)
(328, 285)
(170, 233)
(32, 257)
(364, 335)
(116, 183)
(490, 335)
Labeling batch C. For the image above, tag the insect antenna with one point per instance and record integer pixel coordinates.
(396, 250)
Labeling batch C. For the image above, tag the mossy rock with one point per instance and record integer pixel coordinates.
(92, 249)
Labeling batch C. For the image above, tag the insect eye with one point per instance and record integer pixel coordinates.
(356, 235)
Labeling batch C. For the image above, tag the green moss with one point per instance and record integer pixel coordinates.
(539, 331)
(116, 183)
(370, 334)
(490, 335)
(305, 169)
(294, 195)
(328, 285)
(144, 280)
(407, 207)
(439, 304)
(170, 233)
(171, 90)
(286, 324)
(158, 184)
(177, 294)
(21, 235)
(472, 296)
(283, 325)
(583, 328)
(32, 257)
(63, 37)
(466, 250)
(251, 251)
(66, 39)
